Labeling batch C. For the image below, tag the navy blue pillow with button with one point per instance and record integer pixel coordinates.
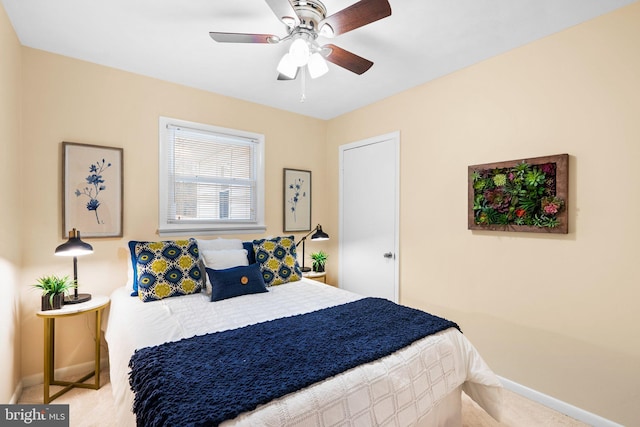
(251, 255)
(235, 281)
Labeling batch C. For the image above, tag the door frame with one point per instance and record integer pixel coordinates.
(395, 138)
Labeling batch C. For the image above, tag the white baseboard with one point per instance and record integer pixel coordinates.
(75, 370)
(558, 405)
(16, 395)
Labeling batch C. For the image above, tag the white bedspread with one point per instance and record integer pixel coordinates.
(418, 385)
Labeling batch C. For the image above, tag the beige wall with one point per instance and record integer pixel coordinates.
(556, 313)
(70, 100)
(10, 216)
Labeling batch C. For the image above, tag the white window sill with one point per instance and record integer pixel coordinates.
(211, 231)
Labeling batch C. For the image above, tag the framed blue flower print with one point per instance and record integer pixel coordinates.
(297, 200)
(92, 190)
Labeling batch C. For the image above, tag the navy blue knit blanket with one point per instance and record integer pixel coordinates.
(207, 379)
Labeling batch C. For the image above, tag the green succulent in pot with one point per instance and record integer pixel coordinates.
(53, 290)
(319, 259)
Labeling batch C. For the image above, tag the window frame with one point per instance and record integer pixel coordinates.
(201, 227)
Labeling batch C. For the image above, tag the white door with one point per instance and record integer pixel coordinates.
(369, 207)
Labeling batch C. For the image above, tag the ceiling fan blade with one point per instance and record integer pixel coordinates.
(243, 38)
(346, 59)
(284, 11)
(357, 15)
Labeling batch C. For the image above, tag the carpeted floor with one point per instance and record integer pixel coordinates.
(517, 412)
(95, 408)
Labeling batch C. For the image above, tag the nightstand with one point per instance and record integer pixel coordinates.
(95, 305)
(320, 277)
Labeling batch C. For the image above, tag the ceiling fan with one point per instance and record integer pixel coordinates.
(305, 22)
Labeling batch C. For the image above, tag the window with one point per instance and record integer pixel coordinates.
(211, 179)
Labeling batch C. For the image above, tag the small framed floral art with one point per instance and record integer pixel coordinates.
(92, 190)
(297, 200)
(520, 195)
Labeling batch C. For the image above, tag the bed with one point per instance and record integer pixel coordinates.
(419, 384)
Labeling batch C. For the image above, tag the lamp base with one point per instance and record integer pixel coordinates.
(77, 299)
(305, 269)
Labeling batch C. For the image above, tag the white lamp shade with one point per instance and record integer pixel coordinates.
(287, 66)
(317, 66)
(299, 51)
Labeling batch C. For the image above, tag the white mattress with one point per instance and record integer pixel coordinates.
(418, 385)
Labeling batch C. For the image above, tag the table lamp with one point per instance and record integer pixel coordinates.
(319, 235)
(75, 247)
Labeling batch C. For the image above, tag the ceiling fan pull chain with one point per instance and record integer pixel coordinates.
(303, 84)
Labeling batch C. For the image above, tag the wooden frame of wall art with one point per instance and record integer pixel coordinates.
(92, 192)
(520, 195)
(297, 200)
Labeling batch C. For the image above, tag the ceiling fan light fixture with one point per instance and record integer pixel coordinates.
(299, 51)
(287, 67)
(317, 66)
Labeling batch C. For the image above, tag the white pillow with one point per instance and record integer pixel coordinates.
(219, 260)
(218, 244)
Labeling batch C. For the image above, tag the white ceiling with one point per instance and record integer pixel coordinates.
(169, 40)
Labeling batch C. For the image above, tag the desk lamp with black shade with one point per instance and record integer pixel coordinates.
(318, 235)
(75, 247)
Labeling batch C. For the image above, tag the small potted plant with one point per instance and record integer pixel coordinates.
(53, 290)
(319, 260)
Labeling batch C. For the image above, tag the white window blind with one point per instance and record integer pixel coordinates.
(213, 178)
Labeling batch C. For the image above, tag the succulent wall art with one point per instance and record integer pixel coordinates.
(520, 195)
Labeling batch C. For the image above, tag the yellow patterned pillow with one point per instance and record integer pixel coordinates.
(166, 269)
(277, 260)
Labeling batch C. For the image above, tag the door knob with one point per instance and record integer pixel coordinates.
(388, 255)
